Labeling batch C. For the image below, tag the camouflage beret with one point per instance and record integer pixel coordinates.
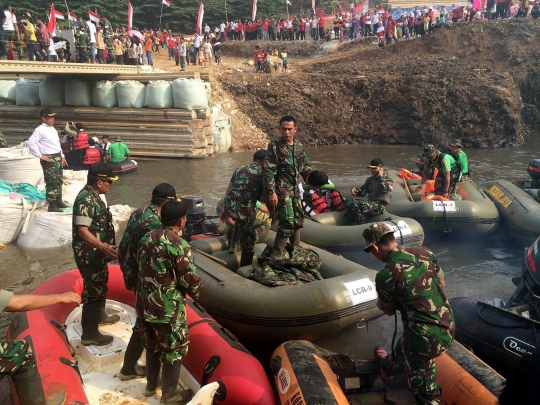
(456, 142)
(430, 151)
(374, 233)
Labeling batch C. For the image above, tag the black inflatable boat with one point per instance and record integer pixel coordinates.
(127, 166)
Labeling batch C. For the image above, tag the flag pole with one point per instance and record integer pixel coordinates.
(287, 5)
(69, 21)
(160, 14)
(226, 19)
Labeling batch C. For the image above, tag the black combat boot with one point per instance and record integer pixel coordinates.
(279, 247)
(53, 207)
(105, 319)
(30, 390)
(134, 350)
(153, 364)
(90, 318)
(246, 259)
(62, 204)
(295, 237)
(169, 383)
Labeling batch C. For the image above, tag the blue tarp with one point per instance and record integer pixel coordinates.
(25, 190)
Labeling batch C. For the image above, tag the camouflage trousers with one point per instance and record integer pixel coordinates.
(83, 53)
(289, 213)
(171, 340)
(11, 36)
(53, 175)
(354, 209)
(246, 233)
(95, 275)
(439, 183)
(16, 357)
(3, 142)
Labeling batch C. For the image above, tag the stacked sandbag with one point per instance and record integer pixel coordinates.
(46, 230)
(104, 94)
(120, 214)
(51, 93)
(74, 181)
(208, 89)
(130, 93)
(189, 94)
(159, 94)
(8, 92)
(78, 93)
(27, 92)
(221, 132)
(18, 165)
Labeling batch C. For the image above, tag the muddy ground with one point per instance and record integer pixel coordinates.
(476, 81)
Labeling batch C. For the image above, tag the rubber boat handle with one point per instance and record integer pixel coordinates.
(209, 368)
(74, 364)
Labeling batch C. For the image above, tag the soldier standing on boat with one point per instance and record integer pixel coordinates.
(140, 222)
(244, 192)
(166, 275)
(412, 283)
(286, 160)
(93, 246)
(457, 147)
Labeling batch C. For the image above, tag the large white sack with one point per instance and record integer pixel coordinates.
(120, 213)
(46, 230)
(13, 212)
(27, 92)
(130, 93)
(78, 93)
(8, 92)
(104, 94)
(18, 165)
(159, 94)
(51, 93)
(222, 138)
(189, 94)
(74, 181)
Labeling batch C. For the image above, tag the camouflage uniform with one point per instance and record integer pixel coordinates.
(82, 38)
(107, 37)
(53, 176)
(245, 189)
(140, 222)
(284, 164)
(90, 210)
(378, 188)
(411, 282)
(166, 275)
(3, 142)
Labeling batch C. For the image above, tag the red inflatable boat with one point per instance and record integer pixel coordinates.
(214, 355)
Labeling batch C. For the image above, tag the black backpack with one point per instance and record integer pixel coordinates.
(454, 154)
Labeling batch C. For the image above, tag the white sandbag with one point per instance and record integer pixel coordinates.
(8, 92)
(78, 93)
(74, 181)
(159, 94)
(104, 94)
(120, 214)
(208, 88)
(18, 165)
(27, 92)
(14, 211)
(222, 138)
(189, 94)
(130, 93)
(46, 230)
(52, 93)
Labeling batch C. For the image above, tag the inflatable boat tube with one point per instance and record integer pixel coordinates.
(472, 212)
(502, 338)
(519, 210)
(127, 166)
(310, 375)
(304, 311)
(242, 378)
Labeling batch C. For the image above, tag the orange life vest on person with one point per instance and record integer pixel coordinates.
(81, 142)
(91, 156)
(67, 146)
(336, 201)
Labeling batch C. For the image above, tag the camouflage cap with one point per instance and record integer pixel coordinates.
(456, 142)
(374, 233)
(430, 151)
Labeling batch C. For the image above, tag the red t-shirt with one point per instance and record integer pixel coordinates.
(239, 27)
(322, 23)
(170, 43)
(265, 26)
(411, 22)
(302, 26)
(384, 17)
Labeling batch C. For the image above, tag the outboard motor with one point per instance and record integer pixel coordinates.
(529, 288)
(196, 214)
(534, 171)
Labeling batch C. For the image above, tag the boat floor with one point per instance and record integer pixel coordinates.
(99, 365)
(402, 395)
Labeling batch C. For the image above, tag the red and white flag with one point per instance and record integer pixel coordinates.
(288, 2)
(94, 16)
(200, 18)
(313, 4)
(363, 8)
(58, 15)
(130, 16)
(51, 26)
(254, 10)
(167, 3)
(72, 17)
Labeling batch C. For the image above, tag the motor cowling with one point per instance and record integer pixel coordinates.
(534, 171)
(196, 214)
(528, 289)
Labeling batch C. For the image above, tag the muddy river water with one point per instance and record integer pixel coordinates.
(475, 267)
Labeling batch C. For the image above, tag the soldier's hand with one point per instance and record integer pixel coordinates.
(109, 251)
(70, 298)
(418, 188)
(273, 200)
(45, 158)
(64, 162)
(223, 216)
(354, 191)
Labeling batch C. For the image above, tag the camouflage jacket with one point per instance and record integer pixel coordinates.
(283, 165)
(377, 188)
(166, 275)
(3, 142)
(140, 222)
(245, 189)
(411, 281)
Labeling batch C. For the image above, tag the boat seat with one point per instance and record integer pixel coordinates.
(246, 271)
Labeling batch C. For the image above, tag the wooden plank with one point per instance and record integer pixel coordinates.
(59, 68)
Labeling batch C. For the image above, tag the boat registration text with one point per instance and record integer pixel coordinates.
(360, 291)
(500, 197)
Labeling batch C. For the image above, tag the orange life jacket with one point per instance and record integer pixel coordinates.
(91, 156)
(81, 142)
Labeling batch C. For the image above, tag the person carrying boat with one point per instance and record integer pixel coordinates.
(140, 222)
(457, 147)
(377, 187)
(448, 171)
(93, 246)
(166, 275)
(412, 283)
(117, 152)
(315, 199)
(244, 191)
(44, 143)
(286, 160)
(17, 359)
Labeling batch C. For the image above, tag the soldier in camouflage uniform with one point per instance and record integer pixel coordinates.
(82, 39)
(285, 161)
(448, 175)
(244, 191)
(93, 246)
(166, 275)
(16, 356)
(108, 36)
(3, 142)
(412, 283)
(140, 222)
(378, 188)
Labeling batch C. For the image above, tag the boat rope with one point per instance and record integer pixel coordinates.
(447, 229)
(63, 329)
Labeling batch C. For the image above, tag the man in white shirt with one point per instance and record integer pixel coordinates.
(222, 30)
(197, 46)
(375, 22)
(315, 29)
(11, 33)
(92, 31)
(45, 144)
(182, 51)
(206, 31)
